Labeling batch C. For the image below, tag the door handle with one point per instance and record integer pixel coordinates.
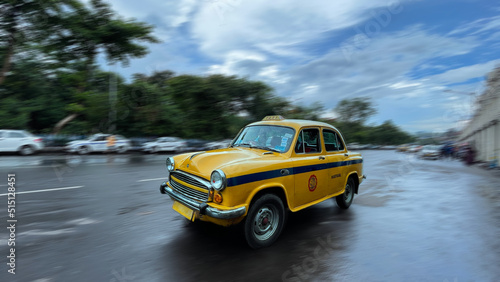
(346, 154)
(321, 157)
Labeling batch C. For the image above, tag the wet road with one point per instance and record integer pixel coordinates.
(414, 220)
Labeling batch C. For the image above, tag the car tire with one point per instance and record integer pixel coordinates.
(83, 150)
(154, 150)
(344, 200)
(26, 150)
(264, 221)
(121, 150)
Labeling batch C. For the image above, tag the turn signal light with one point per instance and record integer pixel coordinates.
(218, 198)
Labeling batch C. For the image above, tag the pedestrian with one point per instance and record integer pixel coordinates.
(110, 143)
(470, 155)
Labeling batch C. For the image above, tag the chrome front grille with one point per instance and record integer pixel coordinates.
(188, 191)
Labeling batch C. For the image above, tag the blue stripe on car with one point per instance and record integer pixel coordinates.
(248, 178)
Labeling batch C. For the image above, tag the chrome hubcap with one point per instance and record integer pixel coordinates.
(348, 193)
(265, 222)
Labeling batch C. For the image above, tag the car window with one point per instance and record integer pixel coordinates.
(100, 138)
(332, 140)
(308, 141)
(16, 135)
(339, 141)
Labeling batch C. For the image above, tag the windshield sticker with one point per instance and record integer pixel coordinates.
(284, 140)
(280, 148)
(288, 135)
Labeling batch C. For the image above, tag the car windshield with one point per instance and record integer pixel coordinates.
(266, 137)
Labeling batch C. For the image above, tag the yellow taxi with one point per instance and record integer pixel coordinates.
(272, 167)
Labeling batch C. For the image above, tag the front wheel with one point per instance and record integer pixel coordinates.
(83, 150)
(27, 150)
(264, 221)
(344, 200)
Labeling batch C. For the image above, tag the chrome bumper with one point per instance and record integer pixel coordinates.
(203, 208)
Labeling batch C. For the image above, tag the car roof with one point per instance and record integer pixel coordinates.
(295, 123)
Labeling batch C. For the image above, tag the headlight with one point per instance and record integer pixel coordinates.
(218, 180)
(170, 164)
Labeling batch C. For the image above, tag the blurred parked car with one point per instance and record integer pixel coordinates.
(219, 144)
(403, 148)
(388, 147)
(353, 146)
(98, 143)
(19, 141)
(430, 152)
(414, 148)
(173, 144)
(196, 145)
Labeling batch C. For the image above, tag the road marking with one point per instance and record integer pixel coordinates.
(45, 190)
(152, 179)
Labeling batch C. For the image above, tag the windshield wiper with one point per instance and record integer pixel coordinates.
(259, 147)
(267, 148)
(244, 144)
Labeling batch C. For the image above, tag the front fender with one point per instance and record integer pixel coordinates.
(271, 186)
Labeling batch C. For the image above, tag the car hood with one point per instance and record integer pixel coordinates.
(232, 161)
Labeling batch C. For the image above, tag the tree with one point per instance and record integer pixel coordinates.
(388, 134)
(25, 22)
(84, 31)
(356, 110)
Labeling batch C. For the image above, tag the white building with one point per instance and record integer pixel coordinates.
(483, 131)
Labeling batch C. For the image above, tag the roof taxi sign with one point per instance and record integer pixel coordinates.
(273, 118)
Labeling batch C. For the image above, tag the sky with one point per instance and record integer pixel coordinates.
(420, 62)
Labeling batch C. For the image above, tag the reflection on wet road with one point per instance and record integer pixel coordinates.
(413, 220)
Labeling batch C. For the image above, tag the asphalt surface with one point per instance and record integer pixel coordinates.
(414, 220)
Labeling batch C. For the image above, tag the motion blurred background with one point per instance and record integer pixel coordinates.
(384, 72)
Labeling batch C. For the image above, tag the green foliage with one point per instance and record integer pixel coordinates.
(385, 134)
(55, 77)
(356, 110)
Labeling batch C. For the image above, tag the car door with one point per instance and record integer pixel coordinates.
(100, 144)
(3, 141)
(309, 167)
(15, 140)
(336, 154)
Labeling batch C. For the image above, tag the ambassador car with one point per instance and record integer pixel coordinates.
(272, 167)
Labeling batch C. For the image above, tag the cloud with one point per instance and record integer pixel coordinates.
(164, 15)
(478, 26)
(326, 51)
(272, 26)
(465, 73)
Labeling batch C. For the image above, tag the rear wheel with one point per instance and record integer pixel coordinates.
(344, 200)
(264, 221)
(121, 150)
(26, 150)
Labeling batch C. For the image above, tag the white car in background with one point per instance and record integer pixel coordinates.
(19, 141)
(98, 143)
(432, 152)
(219, 144)
(173, 144)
